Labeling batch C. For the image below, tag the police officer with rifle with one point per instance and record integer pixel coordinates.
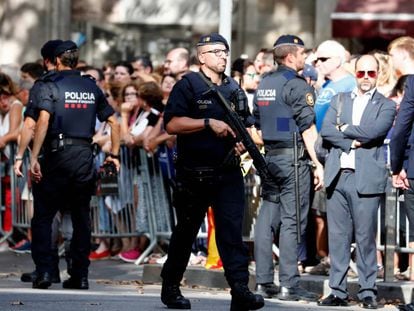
(62, 162)
(207, 174)
(282, 106)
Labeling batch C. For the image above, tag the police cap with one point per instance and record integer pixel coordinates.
(212, 38)
(65, 46)
(288, 40)
(48, 49)
(310, 72)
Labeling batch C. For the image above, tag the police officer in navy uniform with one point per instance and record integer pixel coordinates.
(207, 176)
(65, 172)
(31, 114)
(283, 105)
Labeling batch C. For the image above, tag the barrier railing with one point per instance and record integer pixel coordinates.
(5, 181)
(143, 192)
(21, 190)
(141, 199)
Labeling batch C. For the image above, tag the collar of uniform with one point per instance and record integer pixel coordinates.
(284, 67)
(70, 72)
(224, 77)
(370, 93)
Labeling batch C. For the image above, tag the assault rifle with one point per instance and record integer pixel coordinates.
(241, 133)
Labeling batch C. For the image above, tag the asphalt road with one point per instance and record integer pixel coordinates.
(114, 286)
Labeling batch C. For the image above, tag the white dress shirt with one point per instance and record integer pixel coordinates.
(359, 104)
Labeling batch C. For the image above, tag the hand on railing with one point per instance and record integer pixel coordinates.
(18, 166)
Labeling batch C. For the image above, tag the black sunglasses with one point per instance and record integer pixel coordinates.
(322, 59)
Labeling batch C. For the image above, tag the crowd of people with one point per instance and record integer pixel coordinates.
(350, 101)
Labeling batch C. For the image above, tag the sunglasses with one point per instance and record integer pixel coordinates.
(322, 59)
(361, 74)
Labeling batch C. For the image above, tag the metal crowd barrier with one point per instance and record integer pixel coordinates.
(114, 215)
(22, 198)
(21, 195)
(141, 199)
(142, 192)
(141, 174)
(394, 228)
(4, 171)
(253, 202)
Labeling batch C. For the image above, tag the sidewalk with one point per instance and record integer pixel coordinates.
(13, 265)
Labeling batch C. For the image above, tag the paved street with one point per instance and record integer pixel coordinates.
(114, 286)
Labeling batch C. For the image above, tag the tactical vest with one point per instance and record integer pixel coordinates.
(276, 117)
(201, 89)
(74, 107)
(205, 148)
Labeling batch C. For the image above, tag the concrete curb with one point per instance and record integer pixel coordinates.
(199, 276)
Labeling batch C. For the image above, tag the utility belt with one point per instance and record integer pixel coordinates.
(205, 175)
(59, 143)
(286, 151)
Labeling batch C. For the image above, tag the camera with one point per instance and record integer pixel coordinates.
(107, 179)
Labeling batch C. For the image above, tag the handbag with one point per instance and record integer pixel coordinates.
(140, 124)
(322, 146)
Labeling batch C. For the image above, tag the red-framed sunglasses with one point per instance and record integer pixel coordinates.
(361, 73)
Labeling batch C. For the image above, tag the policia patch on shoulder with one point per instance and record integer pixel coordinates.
(309, 99)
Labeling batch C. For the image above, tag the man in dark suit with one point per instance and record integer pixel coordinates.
(355, 179)
(404, 178)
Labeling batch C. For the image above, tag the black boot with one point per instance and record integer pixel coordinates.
(76, 283)
(30, 277)
(243, 299)
(42, 281)
(171, 296)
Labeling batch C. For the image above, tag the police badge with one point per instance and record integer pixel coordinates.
(309, 99)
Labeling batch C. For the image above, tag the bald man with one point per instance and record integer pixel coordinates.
(177, 62)
(355, 180)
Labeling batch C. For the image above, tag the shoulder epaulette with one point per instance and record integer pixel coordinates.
(268, 73)
(289, 75)
(48, 76)
(88, 77)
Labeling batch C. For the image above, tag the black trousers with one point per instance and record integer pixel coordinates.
(225, 194)
(68, 180)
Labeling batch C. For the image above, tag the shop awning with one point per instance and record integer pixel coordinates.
(373, 18)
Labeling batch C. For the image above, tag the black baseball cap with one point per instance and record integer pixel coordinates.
(48, 49)
(288, 40)
(212, 38)
(65, 46)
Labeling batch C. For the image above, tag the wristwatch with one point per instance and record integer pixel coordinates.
(114, 156)
(18, 158)
(206, 123)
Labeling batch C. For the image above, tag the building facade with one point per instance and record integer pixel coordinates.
(121, 29)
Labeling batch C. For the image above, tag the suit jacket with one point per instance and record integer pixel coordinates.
(370, 166)
(402, 130)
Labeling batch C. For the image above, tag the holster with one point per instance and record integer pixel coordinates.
(270, 193)
(59, 143)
